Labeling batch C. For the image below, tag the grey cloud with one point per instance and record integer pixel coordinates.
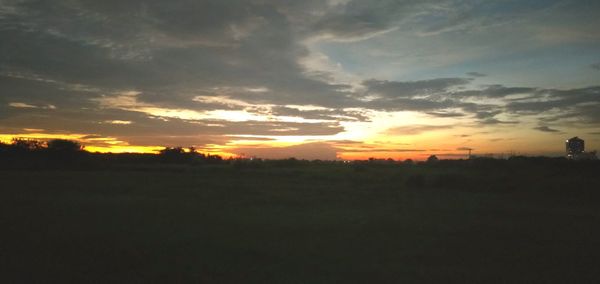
(476, 74)
(38, 91)
(402, 104)
(487, 114)
(494, 91)
(579, 103)
(166, 51)
(546, 129)
(416, 129)
(493, 121)
(70, 53)
(446, 114)
(90, 121)
(394, 89)
(595, 66)
(326, 114)
(191, 56)
(359, 19)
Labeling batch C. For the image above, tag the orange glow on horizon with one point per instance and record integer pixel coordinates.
(362, 144)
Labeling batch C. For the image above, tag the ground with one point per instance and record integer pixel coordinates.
(300, 224)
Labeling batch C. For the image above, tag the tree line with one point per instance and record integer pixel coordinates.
(60, 153)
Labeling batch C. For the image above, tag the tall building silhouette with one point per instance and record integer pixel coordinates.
(575, 148)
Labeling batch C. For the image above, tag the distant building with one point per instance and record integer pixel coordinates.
(575, 148)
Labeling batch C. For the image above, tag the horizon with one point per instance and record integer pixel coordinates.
(328, 80)
(468, 155)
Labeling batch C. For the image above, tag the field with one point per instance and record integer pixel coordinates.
(302, 223)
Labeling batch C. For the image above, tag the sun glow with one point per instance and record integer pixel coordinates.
(398, 135)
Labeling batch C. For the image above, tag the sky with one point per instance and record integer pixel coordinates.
(328, 79)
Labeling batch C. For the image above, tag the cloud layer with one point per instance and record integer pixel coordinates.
(201, 72)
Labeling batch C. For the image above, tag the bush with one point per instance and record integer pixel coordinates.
(26, 145)
(63, 146)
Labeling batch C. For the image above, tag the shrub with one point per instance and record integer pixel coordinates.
(64, 146)
(26, 145)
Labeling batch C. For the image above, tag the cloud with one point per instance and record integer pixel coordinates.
(415, 129)
(21, 105)
(445, 114)
(394, 89)
(487, 114)
(595, 66)
(359, 20)
(546, 129)
(494, 121)
(476, 74)
(320, 113)
(188, 71)
(25, 106)
(493, 91)
(118, 122)
(578, 103)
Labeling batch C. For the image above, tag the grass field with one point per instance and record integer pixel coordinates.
(304, 224)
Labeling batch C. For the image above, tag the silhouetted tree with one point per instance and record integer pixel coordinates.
(4, 147)
(26, 145)
(63, 146)
(213, 159)
(174, 155)
(172, 151)
(432, 159)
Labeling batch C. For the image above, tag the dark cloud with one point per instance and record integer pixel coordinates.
(359, 19)
(394, 89)
(493, 91)
(493, 121)
(476, 74)
(165, 50)
(326, 114)
(446, 114)
(402, 104)
(415, 129)
(544, 128)
(65, 57)
(595, 66)
(487, 114)
(579, 103)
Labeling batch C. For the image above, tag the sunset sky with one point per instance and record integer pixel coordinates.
(326, 79)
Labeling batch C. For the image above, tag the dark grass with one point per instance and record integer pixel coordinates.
(316, 223)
